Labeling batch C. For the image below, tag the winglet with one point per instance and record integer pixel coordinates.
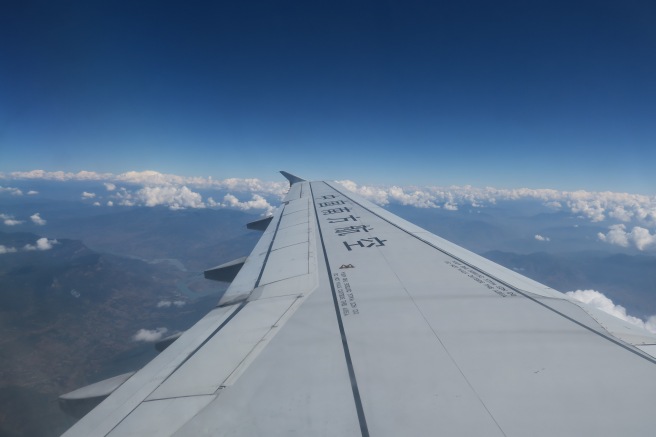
(291, 178)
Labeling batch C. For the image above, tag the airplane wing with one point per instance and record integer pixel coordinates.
(347, 320)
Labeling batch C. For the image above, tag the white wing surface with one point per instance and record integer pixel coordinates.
(346, 320)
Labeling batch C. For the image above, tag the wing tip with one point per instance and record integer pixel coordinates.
(291, 178)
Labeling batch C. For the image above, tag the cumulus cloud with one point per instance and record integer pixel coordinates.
(32, 193)
(11, 190)
(640, 237)
(600, 301)
(150, 335)
(256, 202)
(109, 186)
(110, 203)
(171, 196)
(7, 249)
(9, 220)
(416, 198)
(86, 195)
(621, 214)
(377, 195)
(541, 238)
(37, 220)
(41, 244)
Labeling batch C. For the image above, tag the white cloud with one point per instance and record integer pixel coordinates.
(600, 301)
(590, 209)
(6, 249)
(11, 190)
(149, 177)
(32, 193)
(86, 195)
(593, 206)
(149, 335)
(413, 197)
(9, 220)
(554, 204)
(256, 202)
(154, 178)
(41, 244)
(59, 175)
(37, 220)
(171, 196)
(617, 235)
(168, 303)
(618, 212)
(169, 190)
(640, 237)
(110, 203)
(541, 238)
(377, 195)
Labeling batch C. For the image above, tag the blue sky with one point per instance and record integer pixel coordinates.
(508, 94)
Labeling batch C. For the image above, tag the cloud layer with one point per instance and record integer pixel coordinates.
(151, 188)
(159, 189)
(153, 178)
(597, 207)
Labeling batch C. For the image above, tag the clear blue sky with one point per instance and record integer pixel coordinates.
(555, 94)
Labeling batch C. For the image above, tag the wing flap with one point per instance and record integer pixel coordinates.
(134, 391)
(208, 369)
